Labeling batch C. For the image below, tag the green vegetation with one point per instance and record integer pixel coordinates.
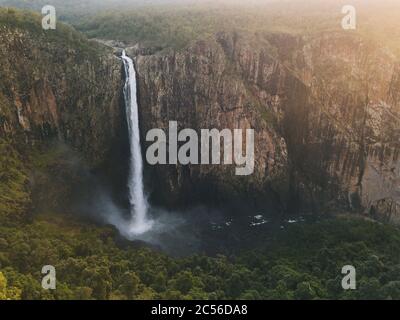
(14, 190)
(27, 21)
(302, 261)
(177, 26)
(6, 292)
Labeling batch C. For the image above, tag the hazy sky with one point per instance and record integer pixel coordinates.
(92, 6)
(149, 2)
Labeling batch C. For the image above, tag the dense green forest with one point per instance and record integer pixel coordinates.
(302, 261)
(178, 26)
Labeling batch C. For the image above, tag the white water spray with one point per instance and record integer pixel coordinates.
(139, 223)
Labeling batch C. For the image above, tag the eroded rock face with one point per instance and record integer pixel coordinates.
(356, 114)
(224, 83)
(50, 89)
(61, 118)
(325, 110)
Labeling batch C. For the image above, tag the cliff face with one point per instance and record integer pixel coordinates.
(325, 111)
(226, 83)
(54, 89)
(355, 115)
(60, 111)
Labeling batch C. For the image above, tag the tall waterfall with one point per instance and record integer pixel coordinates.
(137, 199)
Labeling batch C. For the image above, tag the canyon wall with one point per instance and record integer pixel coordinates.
(222, 83)
(60, 114)
(58, 85)
(325, 110)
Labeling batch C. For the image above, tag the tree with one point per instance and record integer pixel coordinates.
(305, 291)
(370, 289)
(391, 290)
(184, 282)
(3, 287)
(281, 292)
(130, 284)
(32, 290)
(160, 282)
(251, 295)
(83, 293)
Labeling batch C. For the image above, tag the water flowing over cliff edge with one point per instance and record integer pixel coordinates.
(138, 202)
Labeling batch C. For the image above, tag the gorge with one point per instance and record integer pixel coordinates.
(77, 192)
(233, 80)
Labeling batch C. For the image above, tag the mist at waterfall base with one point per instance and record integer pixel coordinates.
(168, 232)
(200, 229)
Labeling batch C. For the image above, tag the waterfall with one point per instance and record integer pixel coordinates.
(138, 203)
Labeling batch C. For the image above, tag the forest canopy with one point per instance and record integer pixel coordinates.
(174, 23)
